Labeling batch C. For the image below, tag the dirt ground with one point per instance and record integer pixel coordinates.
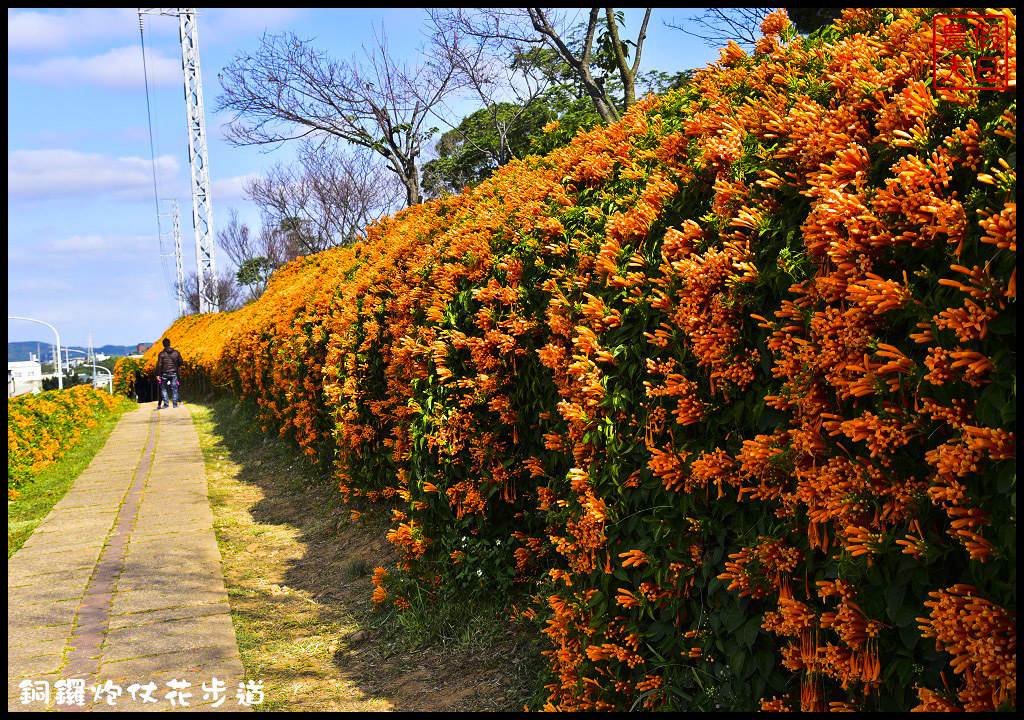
(298, 572)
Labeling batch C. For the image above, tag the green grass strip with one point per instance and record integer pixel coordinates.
(38, 496)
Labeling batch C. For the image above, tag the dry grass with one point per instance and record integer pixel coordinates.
(298, 577)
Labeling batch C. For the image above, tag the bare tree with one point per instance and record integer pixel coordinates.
(236, 239)
(327, 198)
(289, 90)
(256, 255)
(223, 291)
(600, 49)
(350, 190)
(717, 26)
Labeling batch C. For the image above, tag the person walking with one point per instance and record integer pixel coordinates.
(168, 364)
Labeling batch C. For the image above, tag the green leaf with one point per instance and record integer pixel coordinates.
(900, 670)
(733, 619)
(1005, 324)
(1006, 477)
(906, 615)
(757, 684)
(910, 635)
(894, 595)
(764, 661)
(748, 633)
(736, 661)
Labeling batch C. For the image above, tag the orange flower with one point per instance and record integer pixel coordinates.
(627, 599)
(633, 557)
(775, 22)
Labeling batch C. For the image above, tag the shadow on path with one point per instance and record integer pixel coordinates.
(295, 562)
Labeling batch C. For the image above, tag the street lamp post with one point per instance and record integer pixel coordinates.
(110, 375)
(60, 373)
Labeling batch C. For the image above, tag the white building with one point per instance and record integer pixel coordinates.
(22, 377)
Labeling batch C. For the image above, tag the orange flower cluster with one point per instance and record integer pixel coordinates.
(698, 295)
(688, 408)
(585, 538)
(570, 690)
(982, 638)
(762, 570)
(855, 661)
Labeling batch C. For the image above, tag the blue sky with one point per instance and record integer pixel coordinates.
(83, 247)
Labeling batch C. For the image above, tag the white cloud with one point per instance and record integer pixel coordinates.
(117, 69)
(45, 174)
(230, 188)
(68, 252)
(111, 285)
(40, 284)
(29, 30)
(77, 136)
(223, 23)
(78, 243)
(89, 244)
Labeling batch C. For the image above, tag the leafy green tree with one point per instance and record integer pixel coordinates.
(476, 148)
(552, 102)
(71, 379)
(110, 363)
(594, 53)
(600, 59)
(255, 273)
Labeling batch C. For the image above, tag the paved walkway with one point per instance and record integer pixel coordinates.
(120, 587)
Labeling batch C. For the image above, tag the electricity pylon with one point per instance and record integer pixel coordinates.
(202, 205)
(179, 273)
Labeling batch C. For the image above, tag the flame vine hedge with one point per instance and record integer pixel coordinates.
(728, 388)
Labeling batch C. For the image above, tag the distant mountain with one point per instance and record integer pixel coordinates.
(17, 351)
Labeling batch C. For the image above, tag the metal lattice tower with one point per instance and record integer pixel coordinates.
(179, 272)
(202, 205)
(180, 292)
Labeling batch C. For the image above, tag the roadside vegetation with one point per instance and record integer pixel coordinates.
(298, 569)
(51, 438)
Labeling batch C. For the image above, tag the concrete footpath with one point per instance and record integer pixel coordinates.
(117, 601)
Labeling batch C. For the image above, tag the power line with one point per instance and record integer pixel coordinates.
(152, 155)
(202, 209)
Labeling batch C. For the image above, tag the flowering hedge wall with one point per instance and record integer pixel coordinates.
(124, 375)
(728, 388)
(42, 428)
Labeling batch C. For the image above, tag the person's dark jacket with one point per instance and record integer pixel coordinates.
(168, 361)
